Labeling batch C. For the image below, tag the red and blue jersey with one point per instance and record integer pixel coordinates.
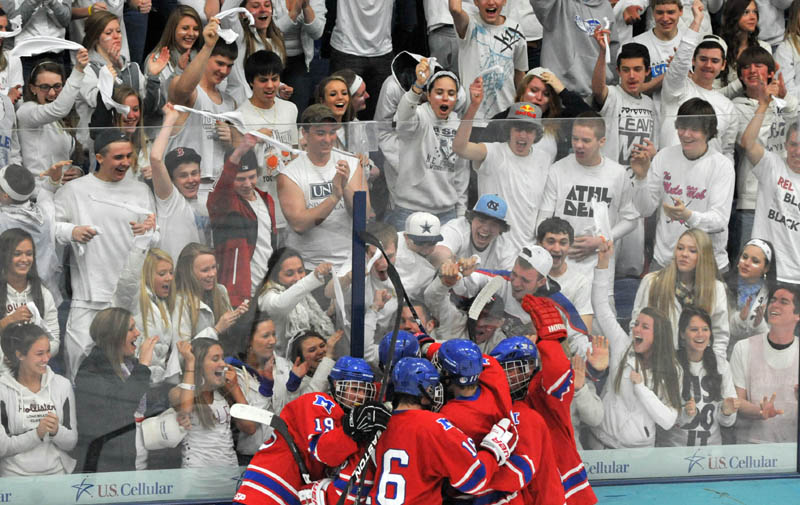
(550, 394)
(419, 451)
(314, 422)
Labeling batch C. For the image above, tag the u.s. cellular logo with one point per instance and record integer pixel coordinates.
(86, 491)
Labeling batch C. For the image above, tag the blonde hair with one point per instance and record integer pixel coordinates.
(662, 290)
(192, 293)
(165, 305)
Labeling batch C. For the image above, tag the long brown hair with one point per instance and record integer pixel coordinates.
(95, 24)
(138, 137)
(554, 109)
(663, 365)
(9, 240)
(108, 331)
(190, 290)
(662, 289)
(793, 26)
(200, 348)
(168, 35)
(273, 36)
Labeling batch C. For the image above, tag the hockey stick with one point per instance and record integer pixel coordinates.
(252, 413)
(480, 301)
(258, 415)
(394, 277)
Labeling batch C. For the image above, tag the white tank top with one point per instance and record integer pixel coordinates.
(331, 239)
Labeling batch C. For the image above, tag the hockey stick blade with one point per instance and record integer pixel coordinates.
(478, 304)
(251, 413)
(484, 296)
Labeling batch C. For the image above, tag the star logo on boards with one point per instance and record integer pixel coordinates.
(694, 460)
(82, 488)
(426, 228)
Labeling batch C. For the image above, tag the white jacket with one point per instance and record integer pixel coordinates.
(719, 316)
(182, 319)
(21, 450)
(249, 444)
(126, 296)
(630, 415)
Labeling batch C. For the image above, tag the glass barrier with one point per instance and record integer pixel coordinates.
(186, 255)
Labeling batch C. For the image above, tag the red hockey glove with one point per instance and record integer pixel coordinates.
(546, 317)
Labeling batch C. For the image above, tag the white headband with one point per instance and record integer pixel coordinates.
(761, 245)
(7, 188)
(357, 82)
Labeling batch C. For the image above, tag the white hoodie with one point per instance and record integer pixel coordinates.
(49, 323)
(22, 452)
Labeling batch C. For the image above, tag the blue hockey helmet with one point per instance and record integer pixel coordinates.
(460, 360)
(406, 346)
(520, 359)
(418, 377)
(351, 381)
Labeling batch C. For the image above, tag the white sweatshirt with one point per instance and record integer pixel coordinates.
(21, 449)
(632, 413)
(705, 185)
(45, 141)
(16, 299)
(431, 178)
(88, 200)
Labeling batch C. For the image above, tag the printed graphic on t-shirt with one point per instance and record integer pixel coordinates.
(699, 428)
(587, 26)
(787, 212)
(34, 410)
(209, 127)
(443, 158)
(634, 126)
(578, 200)
(688, 195)
(496, 50)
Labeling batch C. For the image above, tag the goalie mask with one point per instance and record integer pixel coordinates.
(352, 382)
(520, 359)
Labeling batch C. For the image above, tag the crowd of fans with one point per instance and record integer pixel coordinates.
(176, 206)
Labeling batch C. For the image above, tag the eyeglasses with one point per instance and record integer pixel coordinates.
(45, 88)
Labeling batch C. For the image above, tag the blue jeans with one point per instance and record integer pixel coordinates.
(741, 230)
(136, 29)
(373, 69)
(297, 76)
(398, 215)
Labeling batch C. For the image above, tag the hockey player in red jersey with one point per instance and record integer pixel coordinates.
(477, 397)
(324, 428)
(550, 394)
(520, 360)
(421, 449)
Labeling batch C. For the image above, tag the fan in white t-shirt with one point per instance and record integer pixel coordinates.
(630, 117)
(556, 236)
(592, 192)
(182, 219)
(479, 233)
(514, 169)
(777, 215)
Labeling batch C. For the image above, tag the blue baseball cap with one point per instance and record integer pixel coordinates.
(492, 206)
